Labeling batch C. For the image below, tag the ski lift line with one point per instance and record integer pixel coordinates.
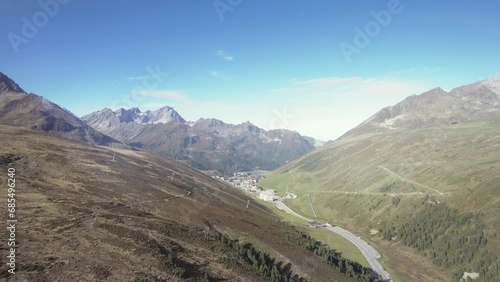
(411, 181)
(241, 200)
(362, 150)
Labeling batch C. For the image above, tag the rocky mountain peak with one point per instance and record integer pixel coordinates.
(126, 116)
(164, 115)
(492, 83)
(106, 117)
(37, 113)
(250, 127)
(8, 85)
(207, 143)
(209, 123)
(482, 92)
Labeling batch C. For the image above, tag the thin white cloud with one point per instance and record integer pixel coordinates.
(220, 75)
(144, 106)
(174, 95)
(140, 77)
(327, 107)
(229, 112)
(224, 55)
(429, 70)
(282, 90)
(215, 74)
(335, 87)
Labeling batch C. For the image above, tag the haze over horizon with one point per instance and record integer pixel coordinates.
(276, 65)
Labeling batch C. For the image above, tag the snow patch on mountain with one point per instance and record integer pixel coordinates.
(391, 122)
(46, 105)
(135, 115)
(277, 140)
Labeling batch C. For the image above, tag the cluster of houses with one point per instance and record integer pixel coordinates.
(248, 183)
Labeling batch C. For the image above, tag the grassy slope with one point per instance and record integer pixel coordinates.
(84, 217)
(349, 185)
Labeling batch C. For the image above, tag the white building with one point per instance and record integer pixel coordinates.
(267, 195)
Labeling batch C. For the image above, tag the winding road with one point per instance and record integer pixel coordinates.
(369, 252)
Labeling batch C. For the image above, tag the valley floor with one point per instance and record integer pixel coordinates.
(369, 252)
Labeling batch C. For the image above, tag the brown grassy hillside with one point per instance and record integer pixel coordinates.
(83, 216)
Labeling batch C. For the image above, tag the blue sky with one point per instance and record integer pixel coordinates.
(279, 64)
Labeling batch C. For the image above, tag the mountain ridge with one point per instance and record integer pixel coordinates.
(420, 177)
(8, 85)
(436, 107)
(19, 108)
(206, 143)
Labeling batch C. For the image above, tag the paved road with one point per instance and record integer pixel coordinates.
(369, 252)
(284, 208)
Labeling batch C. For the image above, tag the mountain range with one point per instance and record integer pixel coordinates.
(207, 144)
